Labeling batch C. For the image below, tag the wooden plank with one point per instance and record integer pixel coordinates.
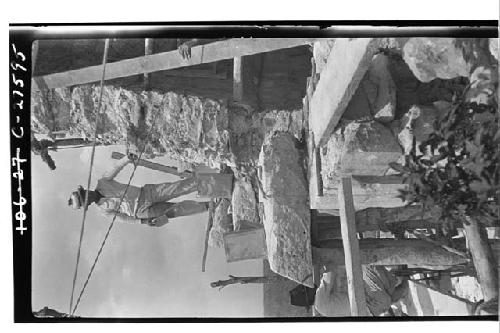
(316, 281)
(237, 79)
(155, 166)
(386, 251)
(347, 64)
(210, 223)
(374, 195)
(354, 272)
(314, 168)
(226, 49)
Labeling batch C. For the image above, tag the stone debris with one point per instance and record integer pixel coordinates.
(222, 223)
(286, 209)
(244, 205)
(418, 123)
(493, 46)
(359, 148)
(431, 58)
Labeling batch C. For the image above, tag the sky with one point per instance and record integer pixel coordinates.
(143, 271)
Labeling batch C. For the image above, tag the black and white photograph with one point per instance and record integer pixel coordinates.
(195, 174)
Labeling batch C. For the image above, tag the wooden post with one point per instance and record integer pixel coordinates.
(354, 271)
(155, 166)
(483, 257)
(210, 223)
(237, 79)
(148, 50)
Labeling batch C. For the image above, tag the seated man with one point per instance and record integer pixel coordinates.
(143, 205)
(381, 291)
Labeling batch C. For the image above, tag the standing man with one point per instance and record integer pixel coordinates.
(148, 204)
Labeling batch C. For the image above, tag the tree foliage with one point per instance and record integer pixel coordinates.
(458, 169)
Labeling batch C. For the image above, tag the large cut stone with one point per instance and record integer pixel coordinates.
(431, 58)
(244, 202)
(359, 148)
(419, 122)
(187, 128)
(286, 209)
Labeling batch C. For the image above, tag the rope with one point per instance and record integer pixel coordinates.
(107, 233)
(82, 228)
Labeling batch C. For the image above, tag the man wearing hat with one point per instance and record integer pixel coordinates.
(148, 204)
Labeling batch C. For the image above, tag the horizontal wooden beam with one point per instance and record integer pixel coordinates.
(374, 195)
(347, 64)
(226, 49)
(412, 252)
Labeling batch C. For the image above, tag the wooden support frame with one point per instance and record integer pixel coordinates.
(354, 272)
(347, 63)
(226, 49)
(381, 194)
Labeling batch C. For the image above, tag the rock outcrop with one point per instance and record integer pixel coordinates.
(244, 205)
(431, 58)
(359, 148)
(286, 209)
(188, 128)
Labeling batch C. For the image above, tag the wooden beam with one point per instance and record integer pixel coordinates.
(354, 271)
(373, 195)
(412, 252)
(155, 166)
(314, 167)
(237, 79)
(347, 64)
(226, 49)
(210, 223)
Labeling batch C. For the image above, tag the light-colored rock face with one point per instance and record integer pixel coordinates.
(360, 149)
(244, 205)
(418, 122)
(286, 209)
(188, 128)
(431, 58)
(493, 46)
(321, 51)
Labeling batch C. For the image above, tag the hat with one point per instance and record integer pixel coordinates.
(77, 198)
